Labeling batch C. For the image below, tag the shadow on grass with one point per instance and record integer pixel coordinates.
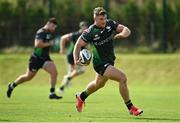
(148, 119)
(4, 120)
(157, 119)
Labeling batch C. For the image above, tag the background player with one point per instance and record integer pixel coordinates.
(40, 59)
(74, 70)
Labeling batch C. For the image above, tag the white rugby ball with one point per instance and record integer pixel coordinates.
(85, 57)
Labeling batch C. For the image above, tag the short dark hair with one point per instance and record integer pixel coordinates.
(53, 20)
(99, 11)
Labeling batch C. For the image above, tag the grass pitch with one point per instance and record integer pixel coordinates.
(153, 83)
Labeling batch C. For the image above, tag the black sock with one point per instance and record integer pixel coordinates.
(69, 78)
(62, 88)
(83, 95)
(129, 104)
(52, 90)
(14, 85)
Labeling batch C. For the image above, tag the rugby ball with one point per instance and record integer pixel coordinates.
(85, 57)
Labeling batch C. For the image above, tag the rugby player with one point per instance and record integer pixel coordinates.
(40, 59)
(100, 36)
(74, 70)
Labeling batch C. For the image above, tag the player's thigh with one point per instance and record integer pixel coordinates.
(114, 74)
(50, 67)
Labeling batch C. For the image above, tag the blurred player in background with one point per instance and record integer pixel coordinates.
(100, 35)
(74, 70)
(40, 59)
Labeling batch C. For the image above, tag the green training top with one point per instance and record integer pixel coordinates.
(101, 40)
(45, 36)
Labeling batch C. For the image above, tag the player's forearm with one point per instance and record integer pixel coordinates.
(125, 33)
(63, 41)
(76, 51)
(62, 45)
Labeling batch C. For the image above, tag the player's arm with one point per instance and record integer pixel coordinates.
(64, 39)
(40, 44)
(123, 32)
(79, 44)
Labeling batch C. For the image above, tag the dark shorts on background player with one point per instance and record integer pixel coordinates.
(35, 63)
(70, 59)
(101, 68)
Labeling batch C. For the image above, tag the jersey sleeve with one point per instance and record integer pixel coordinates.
(113, 24)
(86, 36)
(40, 35)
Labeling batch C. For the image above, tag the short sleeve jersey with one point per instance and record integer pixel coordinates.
(45, 36)
(101, 40)
(74, 36)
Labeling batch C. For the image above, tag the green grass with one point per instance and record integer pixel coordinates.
(153, 82)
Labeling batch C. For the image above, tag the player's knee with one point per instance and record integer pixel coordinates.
(80, 70)
(123, 79)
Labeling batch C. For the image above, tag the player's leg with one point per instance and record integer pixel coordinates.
(92, 87)
(75, 70)
(21, 79)
(117, 75)
(50, 67)
(66, 78)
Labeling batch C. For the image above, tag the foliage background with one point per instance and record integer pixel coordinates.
(20, 20)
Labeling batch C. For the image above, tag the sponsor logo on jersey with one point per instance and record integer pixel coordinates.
(96, 37)
(99, 43)
(108, 28)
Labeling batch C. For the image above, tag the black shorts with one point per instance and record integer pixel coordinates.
(35, 63)
(101, 68)
(70, 59)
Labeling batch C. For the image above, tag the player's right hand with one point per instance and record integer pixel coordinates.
(77, 62)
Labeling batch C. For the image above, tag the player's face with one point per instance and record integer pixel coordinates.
(100, 20)
(52, 27)
(84, 28)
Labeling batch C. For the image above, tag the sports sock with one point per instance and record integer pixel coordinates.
(129, 104)
(83, 95)
(52, 90)
(13, 85)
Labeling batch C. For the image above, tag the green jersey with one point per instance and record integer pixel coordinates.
(101, 40)
(45, 36)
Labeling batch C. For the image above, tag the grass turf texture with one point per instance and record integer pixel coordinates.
(153, 83)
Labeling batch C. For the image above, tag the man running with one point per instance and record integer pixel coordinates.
(74, 70)
(100, 36)
(40, 59)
